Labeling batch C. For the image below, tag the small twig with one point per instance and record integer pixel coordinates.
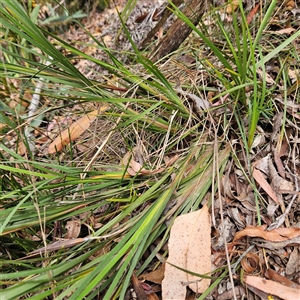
(234, 266)
(223, 229)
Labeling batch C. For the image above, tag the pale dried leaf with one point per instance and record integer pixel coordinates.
(199, 251)
(284, 31)
(294, 75)
(200, 103)
(265, 76)
(259, 140)
(189, 248)
(136, 168)
(126, 159)
(22, 149)
(273, 288)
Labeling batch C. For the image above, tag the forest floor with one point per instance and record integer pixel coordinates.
(254, 206)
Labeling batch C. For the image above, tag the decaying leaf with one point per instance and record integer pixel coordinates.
(293, 263)
(271, 274)
(265, 76)
(264, 168)
(259, 177)
(140, 292)
(74, 131)
(252, 13)
(273, 288)
(190, 249)
(276, 245)
(155, 276)
(136, 168)
(63, 244)
(277, 182)
(232, 6)
(288, 30)
(73, 229)
(275, 235)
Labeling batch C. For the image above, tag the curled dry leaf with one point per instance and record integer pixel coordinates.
(250, 263)
(189, 248)
(275, 235)
(273, 288)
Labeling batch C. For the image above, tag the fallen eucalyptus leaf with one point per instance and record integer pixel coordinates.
(189, 249)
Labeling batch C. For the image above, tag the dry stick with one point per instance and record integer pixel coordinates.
(179, 30)
(223, 229)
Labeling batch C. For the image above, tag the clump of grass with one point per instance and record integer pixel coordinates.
(121, 214)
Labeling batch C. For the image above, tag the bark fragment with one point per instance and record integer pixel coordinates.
(179, 30)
